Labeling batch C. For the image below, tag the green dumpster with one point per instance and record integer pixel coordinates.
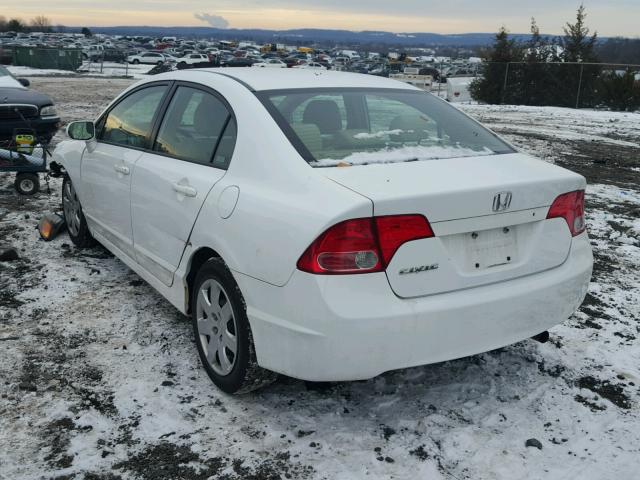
(48, 57)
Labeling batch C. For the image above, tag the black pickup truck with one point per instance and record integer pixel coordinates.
(24, 110)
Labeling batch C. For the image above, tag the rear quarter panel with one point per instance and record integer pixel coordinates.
(283, 203)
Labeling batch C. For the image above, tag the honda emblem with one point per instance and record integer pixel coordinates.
(501, 201)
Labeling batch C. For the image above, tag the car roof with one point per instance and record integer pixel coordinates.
(259, 79)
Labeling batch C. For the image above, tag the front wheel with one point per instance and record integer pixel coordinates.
(27, 183)
(73, 216)
(222, 332)
(135, 61)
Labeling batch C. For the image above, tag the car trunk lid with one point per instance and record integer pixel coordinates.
(488, 214)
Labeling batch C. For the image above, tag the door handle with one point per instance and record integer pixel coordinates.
(185, 190)
(121, 169)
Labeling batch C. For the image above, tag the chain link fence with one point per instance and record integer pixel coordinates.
(104, 65)
(574, 85)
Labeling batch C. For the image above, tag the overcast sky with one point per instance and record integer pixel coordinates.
(609, 18)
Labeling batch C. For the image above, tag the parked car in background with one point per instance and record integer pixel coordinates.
(25, 111)
(311, 66)
(325, 225)
(293, 61)
(379, 69)
(151, 58)
(270, 63)
(223, 58)
(112, 55)
(455, 72)
(192, 59)
(239, 62)
(433, 72)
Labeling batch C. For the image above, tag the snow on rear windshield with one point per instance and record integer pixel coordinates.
(402, 154)
(336, 127)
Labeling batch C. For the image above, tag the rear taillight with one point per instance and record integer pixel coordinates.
(570, 206)
(362, 245)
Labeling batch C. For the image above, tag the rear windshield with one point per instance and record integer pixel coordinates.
(339, 127)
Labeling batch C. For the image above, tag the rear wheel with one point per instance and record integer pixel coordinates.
(73, 216)
(27, 183)
(135, 61)
(222, 332)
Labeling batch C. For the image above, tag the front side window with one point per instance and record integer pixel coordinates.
(192, 126)
(129, 123)
(334, 127)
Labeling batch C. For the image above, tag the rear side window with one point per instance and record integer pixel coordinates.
(129, 123)
(193, 127)
(226, 146)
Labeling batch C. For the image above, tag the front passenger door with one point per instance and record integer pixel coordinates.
(108, 164)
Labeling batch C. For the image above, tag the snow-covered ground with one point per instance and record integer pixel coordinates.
(94, 69)
(99, 377)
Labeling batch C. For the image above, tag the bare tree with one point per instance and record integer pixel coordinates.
(3, 23)
(41, 24)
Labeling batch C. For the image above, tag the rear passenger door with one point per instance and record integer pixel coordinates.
(192, 150)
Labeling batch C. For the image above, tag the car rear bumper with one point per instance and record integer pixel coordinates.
(332, 328)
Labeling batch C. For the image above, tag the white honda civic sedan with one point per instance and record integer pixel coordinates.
(324, 225)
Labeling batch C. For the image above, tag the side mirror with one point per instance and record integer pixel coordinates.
(81, 130)
(24, 82)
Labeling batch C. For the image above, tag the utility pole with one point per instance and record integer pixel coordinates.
(579, 86)
(504, 87)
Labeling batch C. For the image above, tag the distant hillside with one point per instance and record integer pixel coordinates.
(310, 35)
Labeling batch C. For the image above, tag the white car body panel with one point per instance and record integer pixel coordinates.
(463, 187)
(163, 209)
(106, 191)
(350, 328)
(265, 210)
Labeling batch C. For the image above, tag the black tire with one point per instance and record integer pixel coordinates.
(80, 235)
(27, 183)
(135, 61)
(246, 375)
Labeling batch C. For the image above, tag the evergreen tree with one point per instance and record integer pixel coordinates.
(536, 46)
(542, 81)
(578, 44)
(16, 25)
(490, 87)
(619, 91)
(86, 32)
